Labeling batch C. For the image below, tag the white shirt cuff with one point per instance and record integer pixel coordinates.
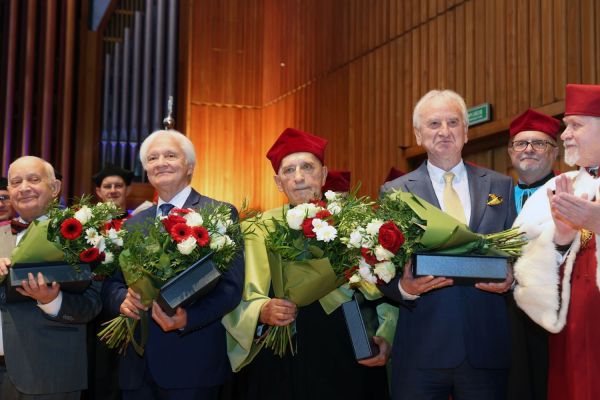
(405, 295)
(53, 307)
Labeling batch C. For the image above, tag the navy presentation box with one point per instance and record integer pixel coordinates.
(464, 269)
(362, 323)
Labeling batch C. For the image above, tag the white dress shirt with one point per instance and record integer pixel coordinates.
(178, 200)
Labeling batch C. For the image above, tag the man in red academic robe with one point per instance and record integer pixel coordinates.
(557, 275)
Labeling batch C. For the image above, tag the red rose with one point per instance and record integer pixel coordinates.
(349, 272)
(71, 228)
(180, 232)
(171, 221)
(307, 228)
(323, 214)
(201, 235)
(368, 256)
(89, 255)
(318, 203)
(390, 237)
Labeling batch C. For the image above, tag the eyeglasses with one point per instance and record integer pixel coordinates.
(537, 145)
(4, 197)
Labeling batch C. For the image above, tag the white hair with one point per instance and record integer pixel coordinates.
(447, 95)
(186, 145)
(48, 168)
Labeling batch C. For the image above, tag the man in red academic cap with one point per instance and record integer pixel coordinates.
(557, 275)
(324, 366)
(532, 149)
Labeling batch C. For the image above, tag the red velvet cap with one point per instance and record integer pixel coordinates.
(295, 141)
(582, 100)
(393, 174)
(532, 120)
(337, 181)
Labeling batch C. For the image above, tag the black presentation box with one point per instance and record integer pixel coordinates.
(362, 323)
(464, 269)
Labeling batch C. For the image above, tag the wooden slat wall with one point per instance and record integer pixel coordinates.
(352, 70)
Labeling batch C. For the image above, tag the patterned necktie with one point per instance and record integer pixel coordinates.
(452, 204)
(165, 209)
(17, 226)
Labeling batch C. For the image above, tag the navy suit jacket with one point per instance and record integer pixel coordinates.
(444, 327)
(196, 356)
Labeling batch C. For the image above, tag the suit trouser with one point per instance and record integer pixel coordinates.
(8, 391)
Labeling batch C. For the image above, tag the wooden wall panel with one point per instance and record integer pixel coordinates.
(352, 70)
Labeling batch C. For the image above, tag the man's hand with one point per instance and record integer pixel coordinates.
(498, 287)
(4, 266)
(381, 358)
(278, 312)
(132, 305)
(423, 284)
(573, 212)
(177, 321)
(38, 289)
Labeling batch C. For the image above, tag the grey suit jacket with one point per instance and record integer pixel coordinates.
(46, 354)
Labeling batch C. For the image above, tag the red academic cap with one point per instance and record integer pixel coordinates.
(582, 100)
(337, 181)
(393, 174)
(295, 141)
(532, 120)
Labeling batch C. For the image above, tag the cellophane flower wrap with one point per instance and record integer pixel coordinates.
(403, 224)
(307, 258)
(82, 234)
(161, 250)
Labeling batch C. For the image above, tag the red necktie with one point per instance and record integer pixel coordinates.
(17, 226)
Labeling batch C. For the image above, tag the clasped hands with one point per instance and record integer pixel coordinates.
(35, 286)
(418, 286)
(132, 306)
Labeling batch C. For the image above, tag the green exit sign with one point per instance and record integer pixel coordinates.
(479, 114)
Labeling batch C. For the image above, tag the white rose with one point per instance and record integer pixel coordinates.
(356, 239)
(382, 254)
(101, 244)
(115, 238)
(309, 209)
(364, 270)
(193, 219)
(294, 218)
(373, 226)
(217, 242)
(330, 195)
(84, 214)
(385, 271)
(334, 208)
(187, 246)
(92, 236)
(326, 233)
(108, 257)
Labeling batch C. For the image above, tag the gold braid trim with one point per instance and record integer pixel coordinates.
(585, 238)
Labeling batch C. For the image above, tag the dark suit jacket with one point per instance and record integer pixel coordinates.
(45, 354)
(196, 356)
(444, 327)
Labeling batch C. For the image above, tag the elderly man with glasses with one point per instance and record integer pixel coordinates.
(532, 150)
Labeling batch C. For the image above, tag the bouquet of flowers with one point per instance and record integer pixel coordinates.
(80, 232)
(307, 257)
(404, 224)
(164, 248)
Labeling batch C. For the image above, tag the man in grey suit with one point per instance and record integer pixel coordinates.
(42, 342)
(451, 339)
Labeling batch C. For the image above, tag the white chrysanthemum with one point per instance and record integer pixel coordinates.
(294, 218)
(114, 237)
(92, 236)
(330, 195)
(373, 226)
(193, 219)
(318, 223)
(83, 215)
(326, 233)
(364, 270)
(385, 271)
(334, 208)
(108, 257)
(187, 246)
(356, 239)
(382, 254)
(217, 242)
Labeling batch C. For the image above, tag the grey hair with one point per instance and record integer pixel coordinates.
(184, 142)
(448, 95)
(49, 169)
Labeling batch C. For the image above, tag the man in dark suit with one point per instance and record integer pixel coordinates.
(185, 356)
(42, 342)
(451, 339)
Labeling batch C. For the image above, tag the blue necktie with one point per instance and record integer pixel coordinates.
(165, 209)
